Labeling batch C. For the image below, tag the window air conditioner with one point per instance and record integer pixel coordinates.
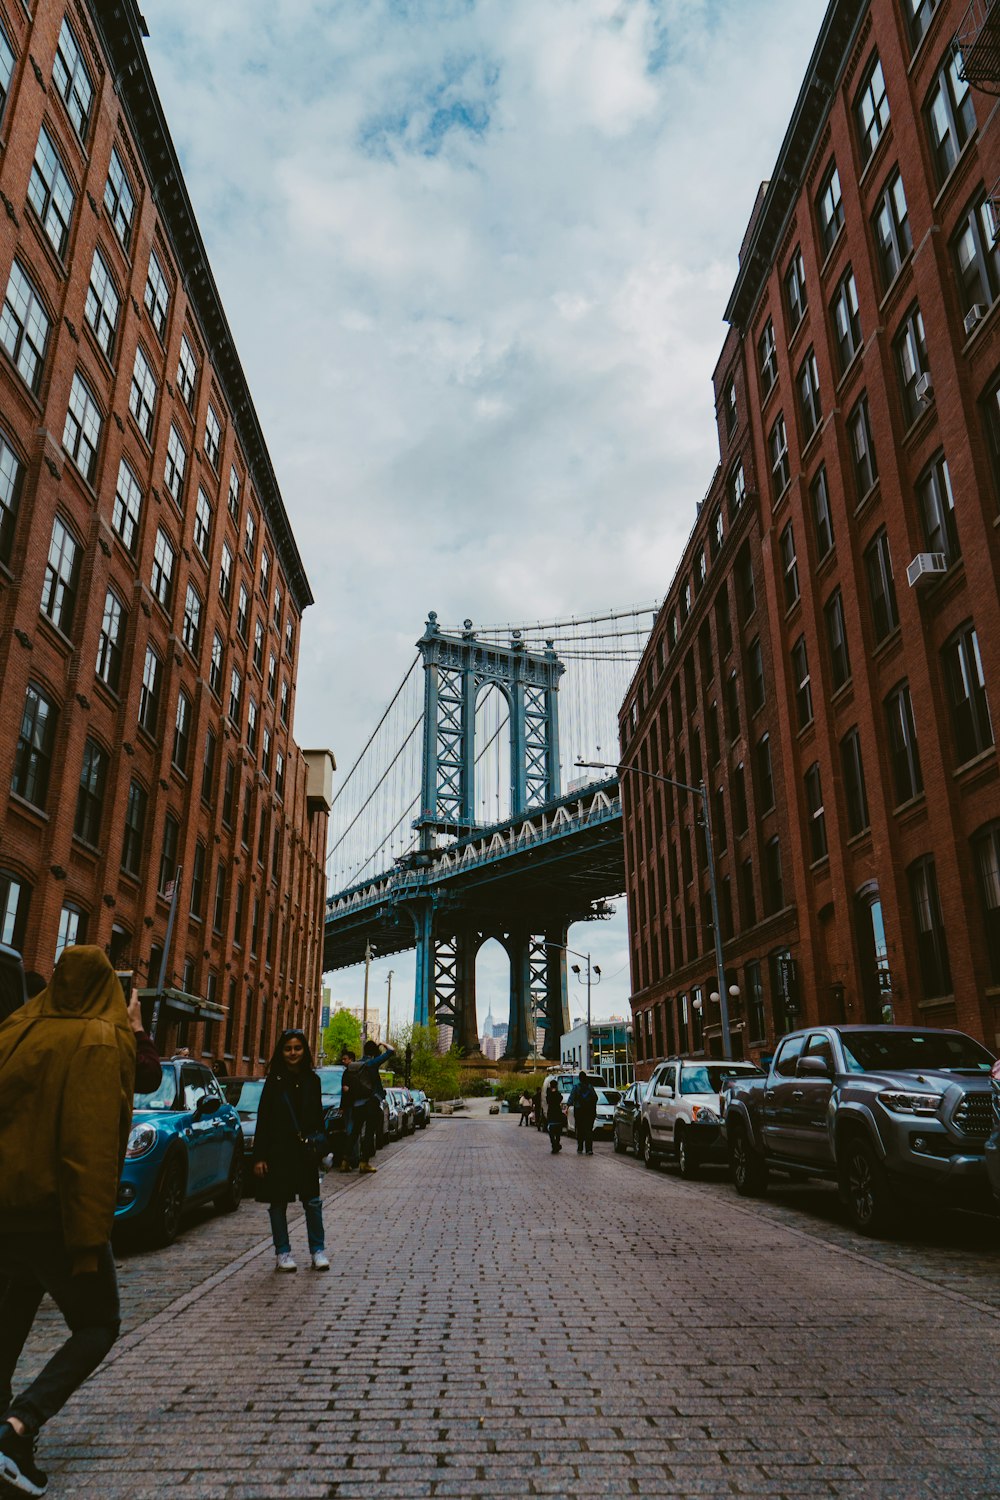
(926, 565)
(924, 389)
(974, 316)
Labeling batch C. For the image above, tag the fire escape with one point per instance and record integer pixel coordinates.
(978, 40)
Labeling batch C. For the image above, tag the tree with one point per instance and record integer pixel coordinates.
(343, 1031)
(437, 1073)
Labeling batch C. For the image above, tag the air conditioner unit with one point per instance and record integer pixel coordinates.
(926, 565)
(975, 316)
(923, 389)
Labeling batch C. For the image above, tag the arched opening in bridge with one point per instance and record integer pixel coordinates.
(493, 768)
(493, 995)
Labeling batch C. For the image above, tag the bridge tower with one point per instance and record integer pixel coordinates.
(457, 671)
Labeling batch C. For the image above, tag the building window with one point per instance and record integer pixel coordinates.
(50, 194)
(197, 905)
(149, 693)
(836, 636)
(803, 683)
(203, 524)
(755, 676)
(903, 750)
(15, 897)
(283, 706)
(24, 327)
(182, 733)
(789, 566)
(796, 297)
(62, 576)
(265, 570)
(920, 13)
(846, 320)
(176, 462)
(235, 695)
(82, 432)
(910, 349)
(891, 226)
(881, 586)
(234, 493)
(11, 480)
(763, 775)
(809, 402)
(243, 613)
(937, 510)
(110, 643)
(272, 675)
(991, 421)
(219, 904)
(986, 857)
(213, 436)
(258, 645)
(819, 494)
(265, 754)
(72, 929)
(970, 711)
(72, 80)
(135, 829)
(729, 404)
(162, 578)
(774, 889)
(103, 304)
(279, 775)
(156, 297)
(716, 536)
(859, 430)
(932, 944)
(252, 726)
(950, 114)
(119, 199)
(290, 637)
(817, 815)
(6, 74)
(226, 575)
(208, 768)
(168, 857)
(127, 506)
(276, 612)
(767, 358)
(977, 259)
(746, 595)
(736, 489)
(191, 624)
(871, 110)
(830, 208)
(216, 665)
(238, 918)
(142, 395)
(229, 794)
(33, 755)
(777, 445)
(731, 708)
(90, 796)
(855, 795)
(187, 373)
(250, 538)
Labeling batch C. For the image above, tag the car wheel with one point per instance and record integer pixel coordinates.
(229, 1200)
(687, 1162)
(870, 1202)
(648, 1154)
(618, 1142)
(747, 1167)
(165, 1214)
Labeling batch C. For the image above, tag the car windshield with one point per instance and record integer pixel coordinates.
(708, 1078)
(331, 1082)
(913, 1052)
(244, 1093)
(163, 1096)
(608, 1096)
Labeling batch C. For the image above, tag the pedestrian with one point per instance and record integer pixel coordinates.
(554, 1116)
(67, 1076)
(287, 1145)
(583, 1102)
(524, 1104)
(219, 1068)
(539, 1109)
(365, 1094)
(348, 1144)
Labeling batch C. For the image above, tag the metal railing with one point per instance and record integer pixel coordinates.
(978, 40)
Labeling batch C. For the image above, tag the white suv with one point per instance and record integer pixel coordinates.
(681, 1114)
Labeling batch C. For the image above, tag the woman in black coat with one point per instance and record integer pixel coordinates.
(285, 1164)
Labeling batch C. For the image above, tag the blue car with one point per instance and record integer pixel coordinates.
(185, 1148)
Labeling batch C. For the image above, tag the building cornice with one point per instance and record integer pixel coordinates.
(122, 29)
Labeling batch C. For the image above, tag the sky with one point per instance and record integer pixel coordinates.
(475, 255)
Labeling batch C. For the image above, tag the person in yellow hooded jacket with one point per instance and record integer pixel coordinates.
(67, 1074)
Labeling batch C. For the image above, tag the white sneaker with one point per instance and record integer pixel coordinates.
(320, 1262)
(284, 1263)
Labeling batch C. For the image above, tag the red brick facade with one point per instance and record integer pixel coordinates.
(867, 438)
(139, 509)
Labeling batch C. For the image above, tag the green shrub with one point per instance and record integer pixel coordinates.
(515, 1084)
(474, 1086)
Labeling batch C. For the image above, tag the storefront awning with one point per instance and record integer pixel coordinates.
(194, 1007)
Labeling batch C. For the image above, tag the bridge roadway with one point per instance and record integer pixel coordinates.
(555, 865)
(523, 1324)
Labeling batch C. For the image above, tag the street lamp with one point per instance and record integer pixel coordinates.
(595, 969)
(388, 1003)
(700, 791)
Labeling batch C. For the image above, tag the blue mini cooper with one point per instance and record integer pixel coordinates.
(185, 1147)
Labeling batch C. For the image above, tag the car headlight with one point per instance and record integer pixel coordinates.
(705, 1115)
(141, 1140)
(899, 1103)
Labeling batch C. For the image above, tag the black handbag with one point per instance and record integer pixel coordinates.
(315, 1145)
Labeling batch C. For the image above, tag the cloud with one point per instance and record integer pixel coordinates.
(475, 255)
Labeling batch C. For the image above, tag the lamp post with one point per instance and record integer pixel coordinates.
(595, 969)
(364, 1011)
(701, 792)
(388, 1003)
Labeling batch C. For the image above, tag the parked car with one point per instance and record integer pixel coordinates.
(407, 1110)
(185, 1147)
(626, 1131)
(393, 1119)
(423, 1108)
(604, 1123)
(884, 1111)
(244, 1095)
(681, 1112)
(993, 1143)
(331, 1082)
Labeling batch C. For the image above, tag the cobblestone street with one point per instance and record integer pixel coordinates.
(500, 1322)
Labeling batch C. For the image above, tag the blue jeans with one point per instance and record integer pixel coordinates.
(363, 1124)
(278, 1214)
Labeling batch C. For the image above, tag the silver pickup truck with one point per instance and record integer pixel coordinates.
(883, 1110)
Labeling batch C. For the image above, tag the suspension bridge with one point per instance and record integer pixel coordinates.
(465, 818)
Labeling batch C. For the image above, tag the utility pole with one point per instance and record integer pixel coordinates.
(364, 1013)
(388, 1003)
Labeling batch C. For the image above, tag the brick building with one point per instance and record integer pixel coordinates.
(151, 590)
(850, 539)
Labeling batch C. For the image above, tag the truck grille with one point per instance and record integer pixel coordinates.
(974, 1115)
